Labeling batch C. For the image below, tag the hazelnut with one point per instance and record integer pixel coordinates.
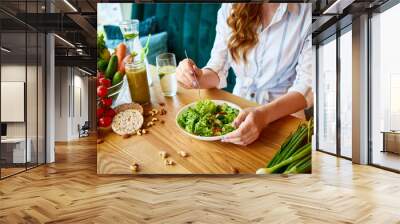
(163, 154)
(169, 162)
(183, 153)
(234, 170)
(163, 111)
(134, 167)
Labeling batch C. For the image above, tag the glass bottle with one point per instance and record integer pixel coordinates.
(136, 75)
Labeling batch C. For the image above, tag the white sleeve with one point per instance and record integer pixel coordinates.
(303, 81)
(219, 61)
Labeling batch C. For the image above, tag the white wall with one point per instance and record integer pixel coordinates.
(13, 73)
(33, 127)
(71, 92)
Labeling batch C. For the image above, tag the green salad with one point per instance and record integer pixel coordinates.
(206, 118)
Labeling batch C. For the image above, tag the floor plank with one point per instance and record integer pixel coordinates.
(70, 191)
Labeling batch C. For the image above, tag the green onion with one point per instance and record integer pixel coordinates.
(287, 140)
(295, 145)
(294, 167)
(294, 156)
(304, 152)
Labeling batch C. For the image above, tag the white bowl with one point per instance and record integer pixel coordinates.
(203, 138)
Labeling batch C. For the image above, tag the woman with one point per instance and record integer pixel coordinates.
(268, 46)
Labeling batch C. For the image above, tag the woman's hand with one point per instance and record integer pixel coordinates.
(249, 124)
(187, 72)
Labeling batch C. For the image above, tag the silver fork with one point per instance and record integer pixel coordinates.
(197, 81)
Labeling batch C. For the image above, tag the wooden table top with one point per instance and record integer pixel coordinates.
(116, 154)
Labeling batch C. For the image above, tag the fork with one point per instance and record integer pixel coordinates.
(197, 81)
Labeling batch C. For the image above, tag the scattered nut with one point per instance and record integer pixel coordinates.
(183, 153)
(234, 170)
(162, 104)
(162, 121)
(149, 124)
(144, 131)
(151, 113)
(139, 132)
(134, 167)
(163, 154)
(100, 140)
(155, 111)
(169, 162)
(163, 111)
(126, 135)
(154, 119)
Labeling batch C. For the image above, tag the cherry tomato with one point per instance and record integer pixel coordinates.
(104, 82)
(102, 91)
(105, 121)
(100, 112)
(109, 113)
(99, 76)
(106, 102)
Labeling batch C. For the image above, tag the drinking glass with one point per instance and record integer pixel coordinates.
(166, 67)
(130, 31)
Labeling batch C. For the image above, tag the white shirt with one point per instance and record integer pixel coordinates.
(280, 62)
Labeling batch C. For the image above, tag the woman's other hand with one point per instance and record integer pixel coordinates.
(249, 124)
(187, 72)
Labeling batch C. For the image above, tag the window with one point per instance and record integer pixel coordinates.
(385, 89)
(326, 110)
(346, 94)
(22, 76)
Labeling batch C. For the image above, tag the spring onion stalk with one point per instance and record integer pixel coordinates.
(304, 152)
(295, 145)
(294, 167)
(304, 168)
(287, 140)
(297, 163)
(283, 151)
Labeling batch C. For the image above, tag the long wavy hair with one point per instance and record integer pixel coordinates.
(244, 20)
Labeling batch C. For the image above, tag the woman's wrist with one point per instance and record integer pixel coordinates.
(265, 111)
(209, 79)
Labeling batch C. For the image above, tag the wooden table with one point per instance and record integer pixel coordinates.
(115, 154)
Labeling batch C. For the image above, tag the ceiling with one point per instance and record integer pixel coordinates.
(329, 16)
(73, 20)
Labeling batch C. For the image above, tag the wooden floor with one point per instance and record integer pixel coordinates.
(71, 192)
(387, 159)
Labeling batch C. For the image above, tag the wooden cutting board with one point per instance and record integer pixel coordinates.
(116, 154)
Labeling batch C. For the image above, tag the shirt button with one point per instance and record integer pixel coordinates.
(252, 95)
